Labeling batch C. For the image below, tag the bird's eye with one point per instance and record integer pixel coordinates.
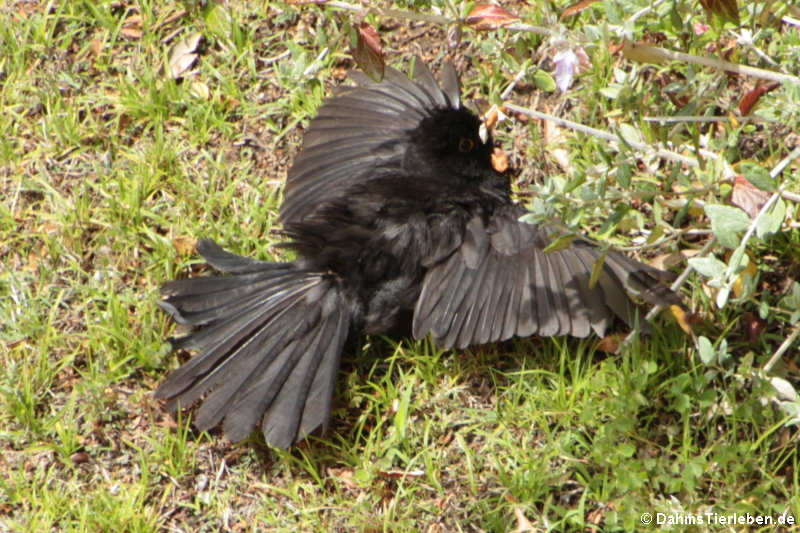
(466, 145)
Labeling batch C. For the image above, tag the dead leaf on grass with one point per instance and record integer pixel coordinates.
(132, 27)
(609, 343)
(554, 137)
(345, 475)
(522, 523)
(182, 56)
(183, 244)
(398, 474)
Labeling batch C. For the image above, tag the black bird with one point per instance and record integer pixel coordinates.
(395, 211)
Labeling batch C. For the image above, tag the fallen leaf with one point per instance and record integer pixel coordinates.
(489, 17)
(183, 55)
(522, 523)
(454, 36)
(683, 318)
(609, 343)
(368, 52)
(554, 138)
(131, 33)
(614, 48)
(183, 244)
(200, 90)
(132, 27)
(751, 97)
(576, 8)
(345, 475)
(79, 458)
(748, 197)
(667, 261)
(398, 474)
(490, 120)
(96, 47)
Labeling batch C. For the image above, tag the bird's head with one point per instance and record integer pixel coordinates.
(447, 146)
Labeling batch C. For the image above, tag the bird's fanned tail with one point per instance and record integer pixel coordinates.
(269, 337)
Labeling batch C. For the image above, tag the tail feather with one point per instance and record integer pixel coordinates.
(215, 297)
(269, 338)
(243, 329)
(224, 261)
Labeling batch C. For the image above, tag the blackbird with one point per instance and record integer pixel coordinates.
(396, 215)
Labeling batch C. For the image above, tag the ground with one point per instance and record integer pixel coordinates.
(120, 150)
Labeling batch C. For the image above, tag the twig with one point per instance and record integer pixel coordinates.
(666, 154)
(529, 28)
(733, 265)
(394, 13)
(781, 349)
(642, 12)
(693, 118)
(653, 54)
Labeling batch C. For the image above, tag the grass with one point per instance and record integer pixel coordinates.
(110, 169)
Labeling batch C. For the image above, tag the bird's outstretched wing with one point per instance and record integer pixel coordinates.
(361, 131)
(501, 283)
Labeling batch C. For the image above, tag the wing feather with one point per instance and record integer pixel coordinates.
(358, 131)
(500, 283)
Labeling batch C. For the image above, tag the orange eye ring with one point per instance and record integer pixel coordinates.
(466, 144)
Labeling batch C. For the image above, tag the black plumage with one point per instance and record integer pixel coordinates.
(393, 208)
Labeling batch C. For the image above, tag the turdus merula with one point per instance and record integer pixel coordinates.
(395, 210)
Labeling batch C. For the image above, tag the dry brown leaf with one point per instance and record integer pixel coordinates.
(345, 475)
(368, 52)
(609, 343)
(96, 47)
(576, 8)
(131, 33)
(398, 474)
(491, 119)
(748, 197)
(182, 56)
(751, 97)
(489, 17)
(132, 27)
(183, 244)
(522, 522)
